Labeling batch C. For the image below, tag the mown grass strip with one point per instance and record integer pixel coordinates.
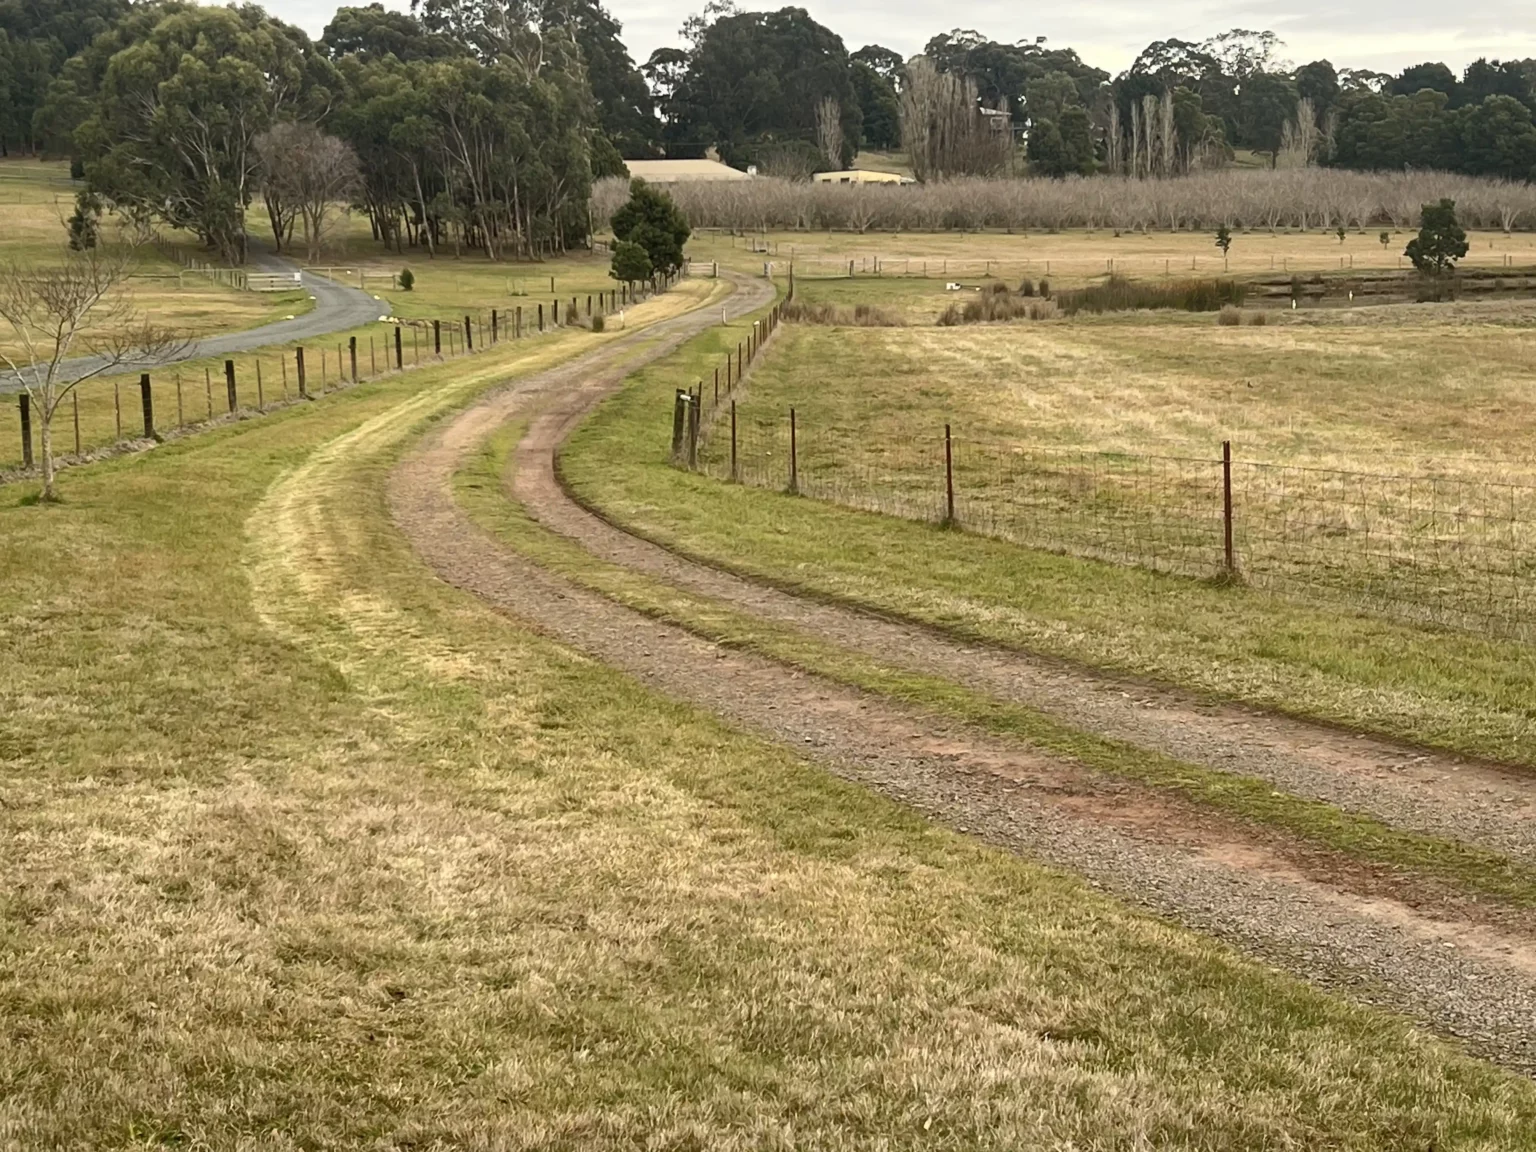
(1360, 837)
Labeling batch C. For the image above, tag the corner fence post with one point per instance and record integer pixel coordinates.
(794, 456)
(26, 429)
(1226, 506)
(147, 402)
(949, 479)
(678, 417)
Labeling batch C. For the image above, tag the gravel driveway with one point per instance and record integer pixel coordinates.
(1330, 924)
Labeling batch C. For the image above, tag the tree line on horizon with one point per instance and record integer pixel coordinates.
(484, 125)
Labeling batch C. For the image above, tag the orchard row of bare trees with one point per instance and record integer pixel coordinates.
(1300, 198)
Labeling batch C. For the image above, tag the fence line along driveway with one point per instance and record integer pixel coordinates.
(337, 308)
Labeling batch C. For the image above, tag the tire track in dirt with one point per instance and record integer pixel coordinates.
(1463, 978)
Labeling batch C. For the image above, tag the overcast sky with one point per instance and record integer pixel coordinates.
(1385, 35)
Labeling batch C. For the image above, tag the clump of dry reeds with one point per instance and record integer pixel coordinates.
(841, 315)
(1231, 317)
(993, 306)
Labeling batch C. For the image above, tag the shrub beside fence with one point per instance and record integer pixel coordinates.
(1442, 550)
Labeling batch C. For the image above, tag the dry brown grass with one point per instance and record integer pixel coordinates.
(1369, 389)
(1073, 257)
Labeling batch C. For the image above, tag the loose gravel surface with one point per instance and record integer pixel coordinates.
(1317, 917)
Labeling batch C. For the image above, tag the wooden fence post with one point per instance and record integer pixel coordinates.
(75, 396)
(517, 323)
(493, 325)
(949, 480)
(25, 402)
(399, 349)
(437, 337)
(373, 364)
(735, 472)
(181, 421)
(298, 369)
(541, 317)
(694, 404)
(1226, 506)
(147, 402)
(117, 408)
(229, 383)
(352, 354)
(677, 424)
(261, 399)
(208, 389)
(554, 313)
(794, 457)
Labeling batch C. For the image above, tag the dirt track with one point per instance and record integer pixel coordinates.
(1465, 971)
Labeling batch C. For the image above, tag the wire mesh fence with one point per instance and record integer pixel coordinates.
(1445, 550)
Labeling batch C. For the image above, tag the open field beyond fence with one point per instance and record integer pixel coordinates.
(1347, 480)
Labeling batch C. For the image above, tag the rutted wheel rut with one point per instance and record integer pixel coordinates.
(1463, 967)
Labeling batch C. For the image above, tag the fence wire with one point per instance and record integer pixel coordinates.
(1446, 550)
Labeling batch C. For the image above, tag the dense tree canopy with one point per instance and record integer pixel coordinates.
(171, 136)
(483, 123)
(753, 80)
(37, 39)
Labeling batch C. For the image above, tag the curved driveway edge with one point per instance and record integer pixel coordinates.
(338, 307)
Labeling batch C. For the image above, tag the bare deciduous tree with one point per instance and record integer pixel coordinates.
(943, 129)
(829, 131)
(74, 307)
(305, 175)
(1300, 138)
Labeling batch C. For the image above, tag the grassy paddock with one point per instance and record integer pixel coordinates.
(299, 840)
(1448, 689)
(35, 200)
(1073, 257)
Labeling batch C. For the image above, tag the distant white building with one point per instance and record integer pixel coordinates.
(861, 176)
(683, 171)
